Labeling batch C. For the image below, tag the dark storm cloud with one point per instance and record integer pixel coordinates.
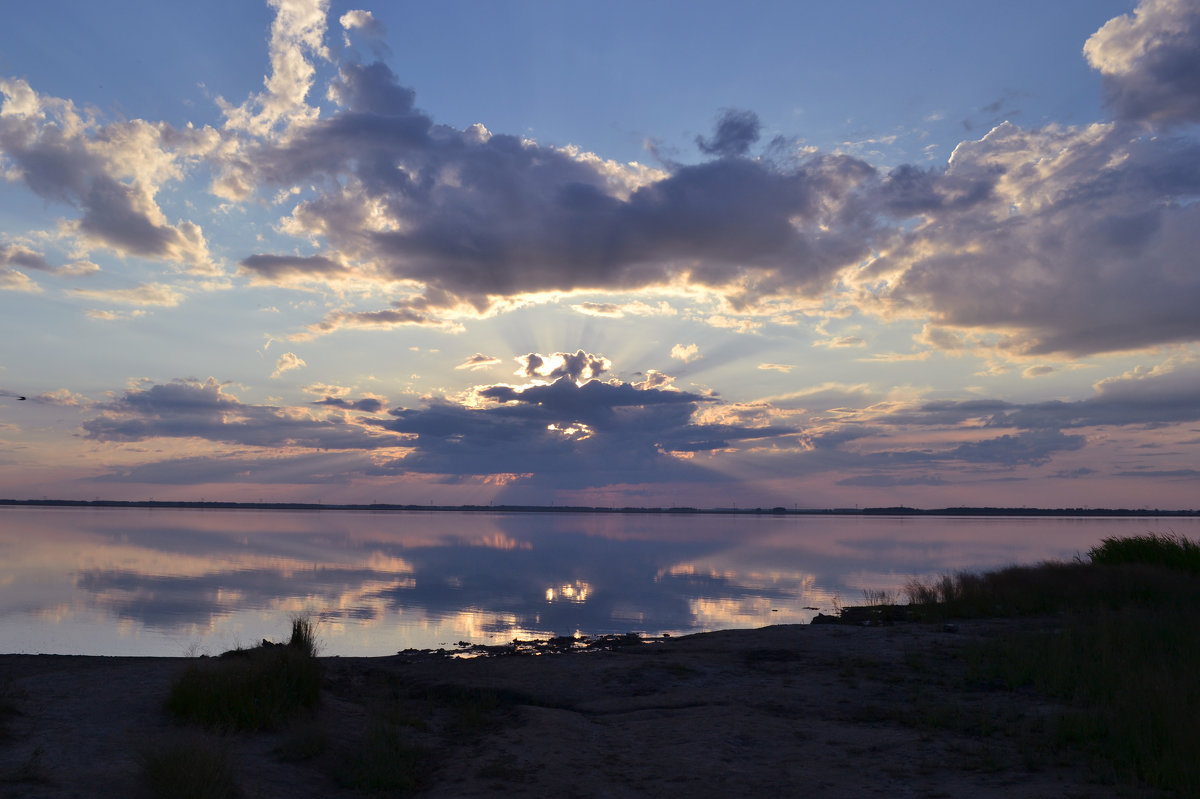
(192, 409)
(736, 131)
(1150, 62)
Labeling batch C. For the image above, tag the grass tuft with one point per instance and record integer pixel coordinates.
(191, 768)
(384, 761)
(251, 689)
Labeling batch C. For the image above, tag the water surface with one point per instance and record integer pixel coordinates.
(174, 582)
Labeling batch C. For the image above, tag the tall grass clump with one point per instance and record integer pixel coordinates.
(251, 689)
(1119, 648)
(1153, 549)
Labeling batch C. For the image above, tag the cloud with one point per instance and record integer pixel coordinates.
(841, 342)
(478, 361)
(363, 21)
(736, 131)
(397, 316)
(1059, 240)
(109, 172)
(1053, 241)
(1033, 448)
(287, 362)
(776, 367)
(203, 410)
(149, 294)
(297, 32)
(686, 353)
(283, 268)
(567, 434)
(478, 218)
(13, 280)
(21, 256)
(113, 316)
(615, 310)
(1142, 397)
(578, 367)
(62, 397)
(1150, 61)
(366, 404)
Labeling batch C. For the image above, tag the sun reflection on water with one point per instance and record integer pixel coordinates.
(577, 591)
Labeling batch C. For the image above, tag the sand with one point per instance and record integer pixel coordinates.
(790, 710)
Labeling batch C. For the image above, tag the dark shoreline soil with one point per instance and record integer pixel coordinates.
(789, 710)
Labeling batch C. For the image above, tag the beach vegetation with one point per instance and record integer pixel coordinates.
(191, 767)
(1116, 650)
(1153, 549)
(251, 689)
(385, 760)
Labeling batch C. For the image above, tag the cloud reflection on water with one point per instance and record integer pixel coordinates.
(157, 582)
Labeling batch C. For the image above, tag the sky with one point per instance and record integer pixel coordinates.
(808, 255)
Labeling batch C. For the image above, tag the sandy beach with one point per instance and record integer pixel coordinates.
(791, 710)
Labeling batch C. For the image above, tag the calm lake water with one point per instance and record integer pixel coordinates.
(175, 582)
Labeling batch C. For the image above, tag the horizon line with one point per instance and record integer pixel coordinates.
(778, 510)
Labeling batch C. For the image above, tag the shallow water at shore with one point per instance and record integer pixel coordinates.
(173, 582)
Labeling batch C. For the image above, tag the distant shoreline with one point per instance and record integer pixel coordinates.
(775, 511)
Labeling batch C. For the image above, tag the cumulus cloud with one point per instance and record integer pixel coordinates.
(363, 21)
(14, 280)
(286, 363)
(1150, 61)
(566, 433)
(477, 217)
(109, 172)
(1050, 241)
(297, 32)
(776, 367)
(1059, 240)
(578, 367)
(24, 257)
(685, 352)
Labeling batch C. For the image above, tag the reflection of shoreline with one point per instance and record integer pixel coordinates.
(776, 511)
